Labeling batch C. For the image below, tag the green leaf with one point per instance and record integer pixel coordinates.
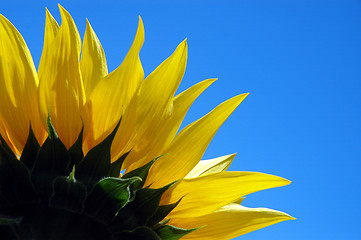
(170, 232)
(107, 197)
(141, 233)
(161, 213)
(76, 151)
(30, 151)
(140, 210)
(15, 184)
(53, 160)
(116, 166)
(68, 194)
(96, 164)
(141, 172)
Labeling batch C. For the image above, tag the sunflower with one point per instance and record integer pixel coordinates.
(70, 129)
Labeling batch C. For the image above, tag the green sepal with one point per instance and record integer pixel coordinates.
(30, 151)
(15, 184)
(141, 172)
(96, 164)
(68, 194)
(108, 196)
(9, 220)
(161, 213)
(116, 166)
(141, 233)
(76, 151)
(140, 210)
(6, 147)
(170, 232)
(52, 161)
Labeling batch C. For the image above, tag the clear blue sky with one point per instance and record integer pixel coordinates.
(299, 59)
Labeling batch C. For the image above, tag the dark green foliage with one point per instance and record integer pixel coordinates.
(108, 197)
(141, 233)
(76, 151)
(96, 164)
(42, 198)
(161, 213)
(140, 210)
(5, 147)
(30, 151)
(53, 160)
(15, 184)
(141, 172)
(9, 220)
(116, 166)
(69, 194)
(172, 233)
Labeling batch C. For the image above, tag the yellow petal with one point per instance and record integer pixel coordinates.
(18, 88)
(205, 194)
(153, 107)
(51, 30)
(188, 147)
(215, 165)
(61, 89)
(169, 127)
(112, 94)
(93, 64)
(229, 222)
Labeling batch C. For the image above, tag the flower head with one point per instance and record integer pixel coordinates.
(71, 127)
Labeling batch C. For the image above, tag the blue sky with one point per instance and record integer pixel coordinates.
(301, 62)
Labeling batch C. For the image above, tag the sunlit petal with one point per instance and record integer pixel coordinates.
(170, 125)
(205, 194)
(93, 64)
(153, 106)
(61, 89)
(18, 88)
(211, 166)
(229, 222)
(188, 147)
(111, 96)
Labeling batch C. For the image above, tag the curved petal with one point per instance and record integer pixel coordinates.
(61, 91)
(18, 88)
(93, 64)
(188, 147)
(112, 94)
(170, 125)
(51, 30)
(205, 194)
(214, 165)
(151, 108)
(229, 222)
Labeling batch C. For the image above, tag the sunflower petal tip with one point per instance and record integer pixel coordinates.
(288, 217)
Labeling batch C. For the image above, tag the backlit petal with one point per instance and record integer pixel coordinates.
(205, 194)
(112, 94)
(167, 131)
(18, 88)
(229, 222)
(188, 147)
(211, 166)
(61, 89)
(93, 64)
(153, 107)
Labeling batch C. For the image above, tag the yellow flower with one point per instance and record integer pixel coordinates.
(74, 89)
